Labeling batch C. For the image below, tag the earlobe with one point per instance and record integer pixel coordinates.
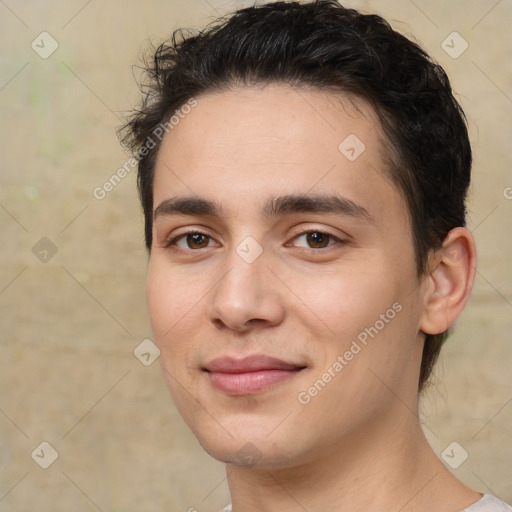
(449, 282)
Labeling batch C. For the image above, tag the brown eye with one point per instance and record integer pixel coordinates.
(197, 240)
(315, 240)
(318, 240)
(192, 240)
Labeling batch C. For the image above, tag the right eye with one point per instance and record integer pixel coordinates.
(190, 240)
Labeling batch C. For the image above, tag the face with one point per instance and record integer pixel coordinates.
(282, 287)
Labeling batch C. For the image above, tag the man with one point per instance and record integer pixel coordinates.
(303, 171)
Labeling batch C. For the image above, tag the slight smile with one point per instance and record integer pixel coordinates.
(250, 375)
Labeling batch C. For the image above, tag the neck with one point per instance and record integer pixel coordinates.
(385, 466)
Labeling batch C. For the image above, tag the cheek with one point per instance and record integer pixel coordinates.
(347, 298)
(367, 310)
(170, 300)
(171, 309)
(160, 300)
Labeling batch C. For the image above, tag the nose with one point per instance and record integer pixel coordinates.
(246, 297)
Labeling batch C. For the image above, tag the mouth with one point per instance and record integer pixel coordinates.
(250, 375)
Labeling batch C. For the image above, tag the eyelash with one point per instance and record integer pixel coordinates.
(172, 242)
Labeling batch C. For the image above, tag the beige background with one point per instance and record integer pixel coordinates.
(69, 326)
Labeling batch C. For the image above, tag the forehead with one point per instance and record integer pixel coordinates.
(247, 144)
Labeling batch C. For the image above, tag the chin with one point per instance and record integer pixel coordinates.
(249, 456)
(251, 451)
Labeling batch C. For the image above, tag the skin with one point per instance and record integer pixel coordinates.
(357, 444)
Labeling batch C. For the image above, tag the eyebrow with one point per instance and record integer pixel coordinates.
(273, 207)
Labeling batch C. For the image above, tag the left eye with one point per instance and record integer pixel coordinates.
(316, 240)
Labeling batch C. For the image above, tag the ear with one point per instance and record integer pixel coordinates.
(449, 282)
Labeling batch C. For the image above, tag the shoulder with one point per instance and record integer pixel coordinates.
(488, 503)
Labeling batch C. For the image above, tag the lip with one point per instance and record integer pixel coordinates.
(249, 375)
